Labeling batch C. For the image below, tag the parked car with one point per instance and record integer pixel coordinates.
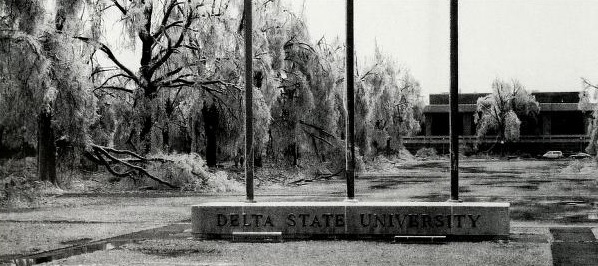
(580, 155)
(553, 155)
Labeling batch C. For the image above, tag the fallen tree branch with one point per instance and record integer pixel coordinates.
(331, 175)
(318, 137)
(318, 128)
(99, 152)
(96, 157)
(129, 153)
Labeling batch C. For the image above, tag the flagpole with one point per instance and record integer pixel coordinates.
(350, 129)
(248, 101)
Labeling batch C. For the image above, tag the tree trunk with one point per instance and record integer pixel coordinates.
(295, 154)
(210, 116)
(257, 154)
(270, 145)
(2, 149)
(145, 135)
(46, 148)
(502, 140)
(166, 138)
(313, 141)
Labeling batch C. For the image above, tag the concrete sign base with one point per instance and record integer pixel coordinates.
(352, 220)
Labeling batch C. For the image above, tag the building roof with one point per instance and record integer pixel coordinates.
(444, 108)
(542, 97)
(471, 108)
(464, 98)
(549, 101)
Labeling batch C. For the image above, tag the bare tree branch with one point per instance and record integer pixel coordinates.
(169, 74)
(178, 81)
(103, 69)
(116, 88)
(112, 77)
(318, 128)
(167, 12)
(370, 72)
(173, 48)
(317, 137)
(111, 56)
(588, 84)
(120, 7)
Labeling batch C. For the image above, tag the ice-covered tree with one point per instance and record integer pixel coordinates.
(305, 95)
(587, 103)
(44, 95)
(391, 99)
(500, 111)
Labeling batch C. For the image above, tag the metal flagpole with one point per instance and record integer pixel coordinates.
(454, 100)
(350, 141)
(248, 101)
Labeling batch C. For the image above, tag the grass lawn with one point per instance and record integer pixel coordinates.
(19, 238)
(541, 193)
(187, 252)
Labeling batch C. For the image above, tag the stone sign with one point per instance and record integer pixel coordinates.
(352, 219)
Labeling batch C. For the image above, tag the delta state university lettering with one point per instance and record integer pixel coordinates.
(261, 220)
(326, 220)
(420, 220)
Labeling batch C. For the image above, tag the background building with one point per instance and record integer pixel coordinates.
(560, 125)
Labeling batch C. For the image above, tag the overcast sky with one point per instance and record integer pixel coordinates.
(546, 44)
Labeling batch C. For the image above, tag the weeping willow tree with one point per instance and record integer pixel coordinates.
(304, 92)
(47, 94)
(210, 112)
(499, 112)
(43, 98)
(391, 105)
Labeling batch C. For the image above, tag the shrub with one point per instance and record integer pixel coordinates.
(359, 163)
(466, 150)
(405, 155)
(574, 166)
(220, 182)
(426, 153)
(18, 185)
(584, 167)
(19, 192)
